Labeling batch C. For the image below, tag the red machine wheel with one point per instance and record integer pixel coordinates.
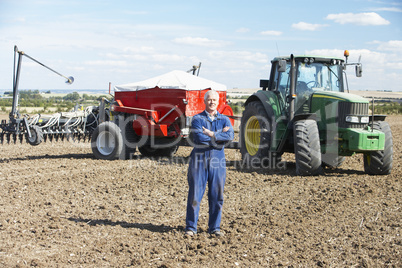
(148, 151)
(107, 141)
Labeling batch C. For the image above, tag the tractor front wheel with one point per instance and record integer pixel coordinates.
(307, 147)
(380, 162)
(107, 141)
(255, 139)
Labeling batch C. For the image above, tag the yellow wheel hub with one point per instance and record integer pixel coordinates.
(252, 135)
(368, 158)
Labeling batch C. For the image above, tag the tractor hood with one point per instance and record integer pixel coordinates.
(340, 96)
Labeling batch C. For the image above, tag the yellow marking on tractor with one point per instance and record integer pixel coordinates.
(327, 97)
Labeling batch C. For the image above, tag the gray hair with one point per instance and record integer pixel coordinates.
(209, 93)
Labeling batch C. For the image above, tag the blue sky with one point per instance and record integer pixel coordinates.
(118, 41)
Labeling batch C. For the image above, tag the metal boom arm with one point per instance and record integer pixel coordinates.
(16, 77)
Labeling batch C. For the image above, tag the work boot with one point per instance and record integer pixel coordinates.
(217, 233)
(189, 233)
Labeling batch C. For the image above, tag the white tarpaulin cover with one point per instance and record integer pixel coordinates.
(173, 80)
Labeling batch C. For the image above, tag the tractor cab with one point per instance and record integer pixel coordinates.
(312, 74)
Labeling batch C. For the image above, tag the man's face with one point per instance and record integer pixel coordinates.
(211, 103)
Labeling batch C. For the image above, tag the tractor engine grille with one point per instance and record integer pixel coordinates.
(352, 108)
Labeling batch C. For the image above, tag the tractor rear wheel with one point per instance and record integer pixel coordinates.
(130, 138)
(307, 147)
(255, 139)
(148, 151)
(36, 136)
(107, 141)
(380, 162)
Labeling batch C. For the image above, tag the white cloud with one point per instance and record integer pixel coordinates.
(272, 33)
(142, 49)
(18, 20)
(304, 26)
(199, 41)
(168, 58)
(391, 9)
(243, 30)
(243, 56)
(107, 63)
(364, 19)
(392, 45)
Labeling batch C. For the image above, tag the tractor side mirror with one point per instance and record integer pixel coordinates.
(264, 84)
(359, 70)
(282, 66)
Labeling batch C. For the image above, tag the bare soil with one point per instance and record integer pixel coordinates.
(60, 206)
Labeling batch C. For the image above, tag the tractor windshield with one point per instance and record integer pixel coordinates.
(312, 77)
(318, 76)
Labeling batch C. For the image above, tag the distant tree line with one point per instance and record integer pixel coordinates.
(387, 108)
(33, 98)
(237, 107)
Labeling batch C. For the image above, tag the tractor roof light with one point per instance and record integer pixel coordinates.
(308, 60)
(346, 54)
(335, 62)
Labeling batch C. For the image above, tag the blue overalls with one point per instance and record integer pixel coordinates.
(207, 166)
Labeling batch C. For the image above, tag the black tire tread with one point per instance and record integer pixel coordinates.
(38, 136)
(380, 161)
(147, 151)
(307, 148)
(130, 140)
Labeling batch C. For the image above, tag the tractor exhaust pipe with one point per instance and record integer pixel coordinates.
(292, 94)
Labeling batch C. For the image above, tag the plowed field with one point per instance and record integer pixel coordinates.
(59, 206)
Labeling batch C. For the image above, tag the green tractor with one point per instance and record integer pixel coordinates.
(303, 109)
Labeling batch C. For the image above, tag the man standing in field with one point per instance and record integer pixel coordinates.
(210, 130)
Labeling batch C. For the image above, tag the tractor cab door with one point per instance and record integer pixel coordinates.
(306, 83)
(281, 83)
(305, 80)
